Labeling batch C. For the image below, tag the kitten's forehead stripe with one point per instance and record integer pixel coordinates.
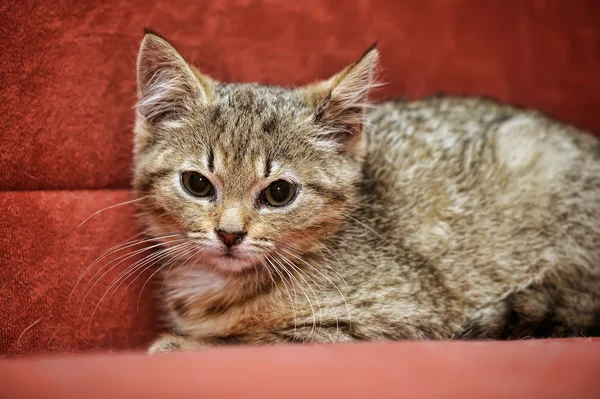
(268, 167)
(211, 159)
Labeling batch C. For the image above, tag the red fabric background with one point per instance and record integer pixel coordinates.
(67, 79)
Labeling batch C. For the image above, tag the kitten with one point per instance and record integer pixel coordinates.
(306, 215)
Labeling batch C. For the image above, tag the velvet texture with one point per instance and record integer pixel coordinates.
(457, 370)
(67, 78)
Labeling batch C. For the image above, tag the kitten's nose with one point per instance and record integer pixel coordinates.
(231, 238)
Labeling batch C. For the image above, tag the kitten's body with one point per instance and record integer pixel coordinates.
(442, 218)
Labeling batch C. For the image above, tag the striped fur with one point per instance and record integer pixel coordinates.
(435, 219)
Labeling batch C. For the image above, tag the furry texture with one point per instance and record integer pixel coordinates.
(441, 218)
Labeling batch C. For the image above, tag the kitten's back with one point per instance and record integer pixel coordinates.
(495, 200)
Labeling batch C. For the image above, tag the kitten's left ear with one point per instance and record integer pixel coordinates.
(339, 103)
(168, 87)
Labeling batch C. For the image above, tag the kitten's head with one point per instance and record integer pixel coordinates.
(242, 172)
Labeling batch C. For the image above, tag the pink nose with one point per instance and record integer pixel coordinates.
(231, 238)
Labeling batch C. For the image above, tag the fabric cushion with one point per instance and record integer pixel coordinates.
(43, 251)
(67, 74)
(463, 370)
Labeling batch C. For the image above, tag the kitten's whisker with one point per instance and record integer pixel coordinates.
(319, 286)
(111, 207)
(327, 278)
(136, 268)
(333, 307)
(181, 253)
(295, 300)
(322, 290)
(266, 267)
(270, 275)
(299, 285)
(173, 262)
(93, 281)
(151, 259)
(160, 240)
(256, 273)
(283, 280)
(176, 249)
(324, 257)
(130, 270)
(338, 262)
(311, 289)
(199, 251)
(320, 245)
(137, 252)
(327, 266)
(107, 253)
(370, 229)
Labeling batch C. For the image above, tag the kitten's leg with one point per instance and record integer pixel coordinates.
(174, 343)
(549, 309)
(277, 337)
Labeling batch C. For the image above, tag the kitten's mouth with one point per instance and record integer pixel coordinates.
(229, 254)
(230, 260)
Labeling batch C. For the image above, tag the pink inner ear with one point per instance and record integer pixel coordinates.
(341, 137)
(347, 133)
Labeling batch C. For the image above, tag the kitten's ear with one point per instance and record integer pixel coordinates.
(339, 103)
(168, 87)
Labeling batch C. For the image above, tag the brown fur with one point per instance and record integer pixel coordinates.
(436, 219)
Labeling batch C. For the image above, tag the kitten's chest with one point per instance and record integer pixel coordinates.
(186, 295)
(201, 303)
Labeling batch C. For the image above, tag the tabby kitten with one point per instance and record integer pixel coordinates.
(304, 214)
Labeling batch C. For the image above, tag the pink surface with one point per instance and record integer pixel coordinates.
(524, 369)
(67, 78)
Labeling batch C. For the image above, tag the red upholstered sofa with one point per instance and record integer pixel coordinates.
(67, 88)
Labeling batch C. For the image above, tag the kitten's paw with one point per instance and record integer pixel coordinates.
(174, 343)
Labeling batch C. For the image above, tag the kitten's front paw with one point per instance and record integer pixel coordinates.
(174, 343)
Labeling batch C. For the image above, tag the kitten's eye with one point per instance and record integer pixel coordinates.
(196, 184)
(279, 193)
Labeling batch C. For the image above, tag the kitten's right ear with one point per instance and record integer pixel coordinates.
(340, 102)
(168, 87)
